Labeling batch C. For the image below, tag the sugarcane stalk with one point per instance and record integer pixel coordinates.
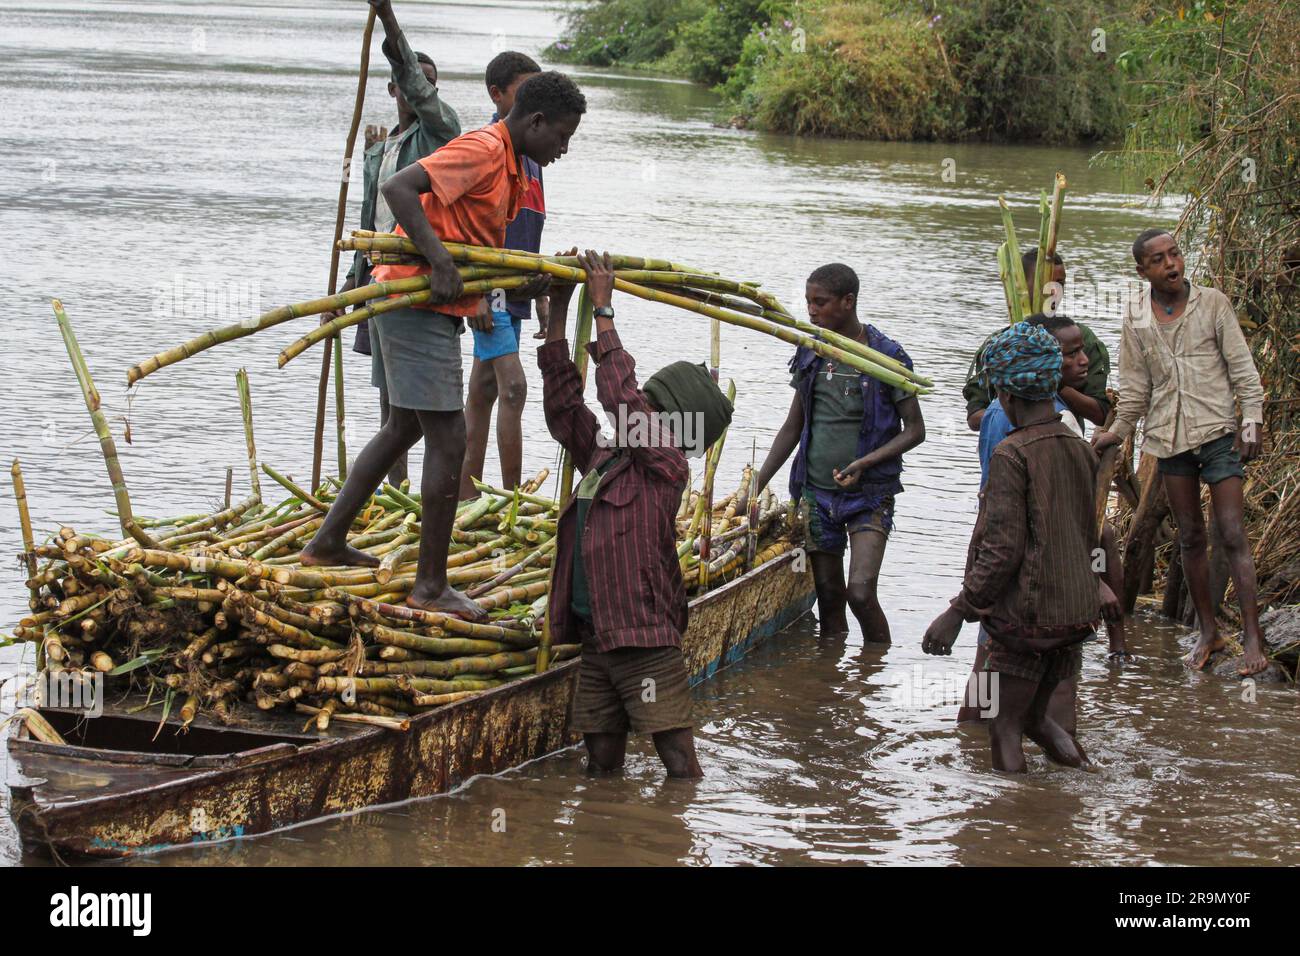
(409, 298)
(294, 489)
(246, 412)
(106, 444)
(1048, 231)
(388, 723)
(238, 330)
(1018, 297)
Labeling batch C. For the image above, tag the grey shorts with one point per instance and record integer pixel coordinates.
(415, 359)
(1213, 462)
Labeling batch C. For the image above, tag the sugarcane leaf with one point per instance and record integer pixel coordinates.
(145, 657)
(167, 709)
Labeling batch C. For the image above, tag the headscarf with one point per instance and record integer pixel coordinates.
(1024, 360)
(685, 388)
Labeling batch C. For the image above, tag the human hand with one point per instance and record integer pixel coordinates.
(942, 633)
(1248, 441)
(849, 476)
(375, 134)
(1110, 607)
(538, 285)
(482, 318)
(1101, 440)
(600, 277)
(445, 283)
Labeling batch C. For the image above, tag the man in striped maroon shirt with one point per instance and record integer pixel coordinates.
(617, 587)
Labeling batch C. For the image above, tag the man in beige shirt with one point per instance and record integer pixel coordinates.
(1184, 366)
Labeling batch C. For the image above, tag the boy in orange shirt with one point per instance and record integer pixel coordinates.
(465, 192)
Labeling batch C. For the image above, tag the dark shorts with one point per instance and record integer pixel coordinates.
(834, 515)
(415, 359)
(502, 340)
(1212, 462)
(1051, 667)
(641, 689)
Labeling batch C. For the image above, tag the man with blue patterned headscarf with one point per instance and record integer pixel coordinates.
(1029, 577)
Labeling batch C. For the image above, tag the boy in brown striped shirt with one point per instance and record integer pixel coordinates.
(1035, 593)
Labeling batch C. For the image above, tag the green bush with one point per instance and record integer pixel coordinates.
(636, 32)
(859, 73)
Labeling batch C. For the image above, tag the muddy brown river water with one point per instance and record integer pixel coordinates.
(155, 153)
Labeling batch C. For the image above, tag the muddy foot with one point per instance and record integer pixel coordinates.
(312, 556)
(449, 601)
(1205, 647)
(1253, 661)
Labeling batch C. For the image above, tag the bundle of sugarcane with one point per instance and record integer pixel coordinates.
(1023, 298)
(223, 610)
(485, 270)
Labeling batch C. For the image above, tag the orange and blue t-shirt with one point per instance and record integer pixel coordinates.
(478, 186)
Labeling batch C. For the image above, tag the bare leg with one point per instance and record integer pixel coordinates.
(677, 751)
(481, 396)
(1007, 729)
(1114, 575)
(832, 594)
(1061, 708)
(605, 752)
(969, 712)
(1226, 499)
(395, 437)
(512, 387)
(398, 473)
(444, 450)
(1058, 743)
(867, 552)
(1185, 500)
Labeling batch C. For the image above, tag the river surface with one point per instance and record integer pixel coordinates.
(155, 152)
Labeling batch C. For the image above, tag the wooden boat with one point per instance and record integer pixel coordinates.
(114, 790)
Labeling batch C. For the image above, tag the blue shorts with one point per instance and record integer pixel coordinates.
(502, 340)
(834, 515)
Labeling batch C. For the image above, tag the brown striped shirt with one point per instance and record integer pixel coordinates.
(1029, 568)
(629, 540)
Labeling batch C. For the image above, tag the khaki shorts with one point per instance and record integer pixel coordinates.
(642, 689)
(415, 359)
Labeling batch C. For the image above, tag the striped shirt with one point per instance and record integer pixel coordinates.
(1029, 568)
(629, 540)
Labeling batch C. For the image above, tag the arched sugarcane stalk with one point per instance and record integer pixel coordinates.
(285, 313)
(418, 297)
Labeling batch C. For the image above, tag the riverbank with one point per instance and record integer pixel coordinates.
(1026, 70)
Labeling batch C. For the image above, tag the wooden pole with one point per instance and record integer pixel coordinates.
(321, 392)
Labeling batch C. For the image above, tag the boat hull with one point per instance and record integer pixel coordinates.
(142, 808)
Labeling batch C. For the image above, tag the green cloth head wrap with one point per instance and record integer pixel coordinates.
(687, 389)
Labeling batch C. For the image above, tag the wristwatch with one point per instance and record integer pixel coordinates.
(604, 312)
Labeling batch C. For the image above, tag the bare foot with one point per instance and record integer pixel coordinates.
(449, 601)
(1208, 644)
(1255, 660)
(320, 556)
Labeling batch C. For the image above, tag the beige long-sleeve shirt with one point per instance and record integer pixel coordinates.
(1186, 376)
